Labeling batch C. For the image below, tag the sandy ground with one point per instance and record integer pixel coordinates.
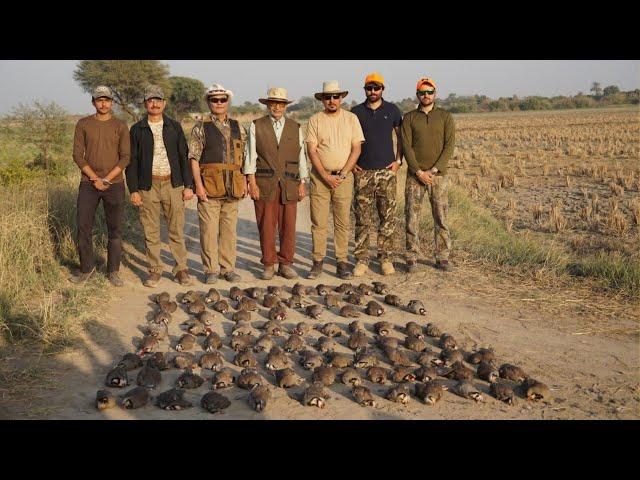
(592, 376)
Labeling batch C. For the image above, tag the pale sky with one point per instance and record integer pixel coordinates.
(23, 81)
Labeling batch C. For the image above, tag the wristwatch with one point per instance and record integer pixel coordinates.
(342, 176)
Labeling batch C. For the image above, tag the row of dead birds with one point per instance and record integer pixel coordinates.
(448, 364)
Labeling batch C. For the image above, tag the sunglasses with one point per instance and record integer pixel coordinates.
(422, 93)
(334, 96)
(373, 88)
(218, 100)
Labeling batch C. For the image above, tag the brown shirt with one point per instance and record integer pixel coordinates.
(101, 145)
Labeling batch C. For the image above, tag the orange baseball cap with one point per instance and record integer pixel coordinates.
(374, 77)
(425, 80)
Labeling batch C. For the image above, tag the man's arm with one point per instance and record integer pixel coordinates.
(332, 180)
(183, 152)
(249, 165)
(131, 171)
(449, 143)
(196, 146)
(406, 136)
(356, 149)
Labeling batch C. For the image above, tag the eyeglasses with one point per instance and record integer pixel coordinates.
(218, 100)
(422, 93)
(335, 96)
(374, 88)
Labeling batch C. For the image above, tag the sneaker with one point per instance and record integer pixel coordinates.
(443, 265)
(269, 272)
(412, 266)
(287, 272)
(344, 271)
(231, 277)
(82, 277)
(387, 268)
(316, 270)
(183, 277)
(115, 279)
(361, 269)
(152, 280)
(210, 278)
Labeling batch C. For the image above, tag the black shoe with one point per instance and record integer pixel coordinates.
(316, 270)
(412, 266)
(443, 265)
(231, 277)
(343, 271)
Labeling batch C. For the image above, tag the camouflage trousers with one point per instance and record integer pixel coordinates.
(375, 189)
(414, 193)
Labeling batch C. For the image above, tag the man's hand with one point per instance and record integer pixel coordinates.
(97, 183)
(426, 177)
(393, 166)
(187, 194)
(201, 193)
(254, 191)
(358, 168)
(136, 199)
(302, 192)
(334, 181)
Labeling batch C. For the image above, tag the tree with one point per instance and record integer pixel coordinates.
(126, 78)
(596, 88)
(610, 90)
(187, 95)
(43, 125)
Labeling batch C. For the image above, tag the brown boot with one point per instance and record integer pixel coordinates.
(183, 277)
(287, 272)
(269, 272)
(343, 270)
(152, 280)
(316, 270)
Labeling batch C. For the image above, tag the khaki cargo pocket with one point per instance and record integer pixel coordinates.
(237, 184)
(213, 179)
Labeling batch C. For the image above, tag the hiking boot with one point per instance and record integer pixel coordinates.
(81, 277)
(115, 279)
(269, 272)
(183, 277)
(316, 270)
(387, 267)
(344, 271)
(152, 280)
(287, 272)
(443, 265)
(231, 277)
(361, 269)
(210, 278)
(412, 266)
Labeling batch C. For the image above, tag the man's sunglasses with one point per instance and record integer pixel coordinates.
(373, 88)
(334, 97)
(218, 100)
(422, 93)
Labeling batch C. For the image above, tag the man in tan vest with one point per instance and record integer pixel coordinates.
(216, 150)
(277, 170)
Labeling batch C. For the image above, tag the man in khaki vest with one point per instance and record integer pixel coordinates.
(216, 150)
(276, 166)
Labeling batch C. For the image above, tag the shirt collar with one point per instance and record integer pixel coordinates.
(224, 122)
(277, 122)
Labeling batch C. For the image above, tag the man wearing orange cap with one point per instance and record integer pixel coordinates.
(375, 175)
(428, 137)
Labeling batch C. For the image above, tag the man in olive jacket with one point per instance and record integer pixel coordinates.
(428, 138)
(159, 178)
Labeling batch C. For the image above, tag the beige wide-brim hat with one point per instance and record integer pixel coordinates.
(331, 87)
(276, 94)
(217, 89)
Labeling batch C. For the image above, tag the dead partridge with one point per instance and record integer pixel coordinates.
(186, 342)
(272, 327)
(117, 378)
(345, 288)
(276, 290)
(447, 341)
(278, 313)
(105, 399)
(315, 396)
(173, 400)
(374, 309)
(162, 297)
(148, 344)
(277, 359)
(221, 306)
(503, 392)
(351, 377)
(211, 361)
(264, 343)
(270, 300)
(362, 396)
(322, 289)
(196, 308)
(415, 344)
(190, 297)
(130, 361)
(468, 390)
(416, 306)
(383, 328)
(135, 398)
(458, 371)
(254, 292)
(188, 379)
(326, 344)
(403, 374)
(287, 378)
(325, 375)
(397, 357)
(448, 357)
(162, 317)
(339, 360)
(207, 318)
(302, 328)
(511, 372)
(242, 328)
(364, 289)
(393, 300)
(331, 300)
(483, 355)
(387, 342)
(430, 393)
(355, 298)
(245, 359)
(329, 329)
(223, 379)
(358, 341)
(157, 330)
(213, 402)
(432, 330)
(380, 288)
(356, 326)
(426, 374)
(296, 301)
(249, 378)
(212, 342)
(487, 372)
(293, 344)
(197, 328)
(259, 397)
(412, 329)
(185, 360)
(212, 296)
(349, 311)
(240, 343)
(535, 390)
(235, 293)
(377, 374)
(314, 311)
(299, 289)
(365, 359)
(398, 394)
(158, 361)
(168, 307)
(426, 359)
(310, 360)
(248, 304)
(148, 377)
(241, 316)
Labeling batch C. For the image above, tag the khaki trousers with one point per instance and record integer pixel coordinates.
(218, 221)
(162, 197)
(339, 201)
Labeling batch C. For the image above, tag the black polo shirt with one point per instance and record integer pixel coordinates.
(377, 126)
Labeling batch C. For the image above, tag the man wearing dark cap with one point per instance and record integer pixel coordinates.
(159, 178)
(101, 150)
(428, 138)
(375, 175)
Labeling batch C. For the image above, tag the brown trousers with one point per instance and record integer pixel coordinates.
(162, 196)
(274, 216)
(218, 221)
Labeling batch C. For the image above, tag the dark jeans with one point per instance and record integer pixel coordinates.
(113, 204)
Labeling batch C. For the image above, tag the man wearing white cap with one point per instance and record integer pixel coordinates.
(334, 139)
(216, 150)
(276, 166)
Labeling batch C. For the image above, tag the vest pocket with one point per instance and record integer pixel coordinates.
(237, 184)
(213, 179)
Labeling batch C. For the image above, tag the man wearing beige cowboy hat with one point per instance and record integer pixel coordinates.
(334, 139)
(216, 150)
(276, 166)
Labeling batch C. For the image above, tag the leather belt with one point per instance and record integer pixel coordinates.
(161, 177)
